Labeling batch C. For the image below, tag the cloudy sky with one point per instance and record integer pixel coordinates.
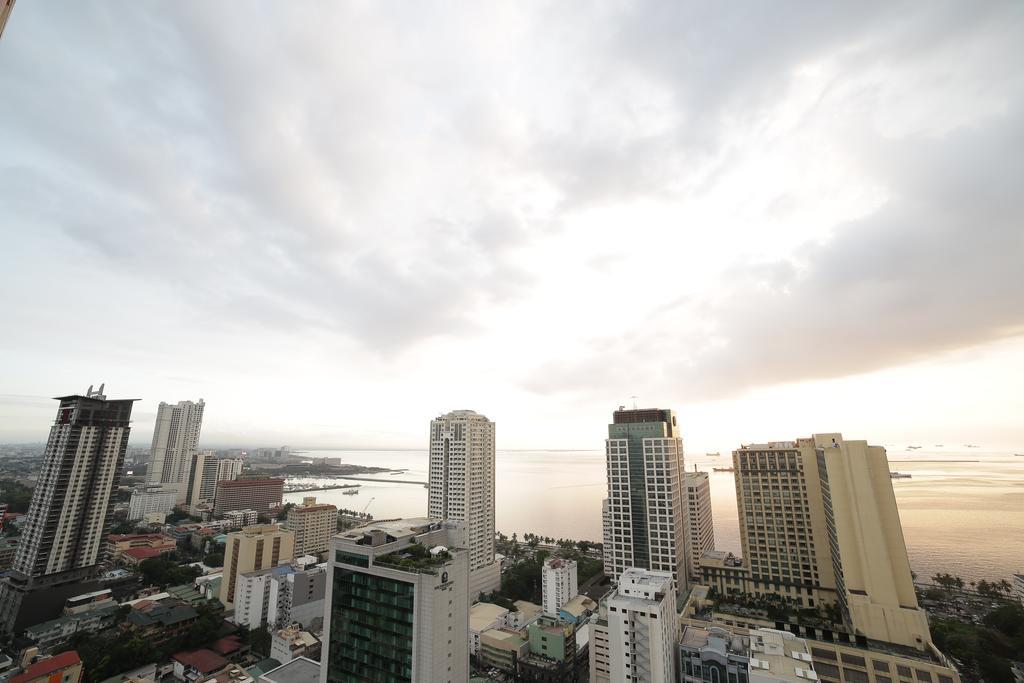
(334, 221)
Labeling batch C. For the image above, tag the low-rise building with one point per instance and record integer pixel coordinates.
(50, 635)
(484, 616)
(8, 549)
(160, 621)
(502, 649)
(577, 610)
(63, 668)
(197, 665)
(133, 557)
(117, 544)
(292, 642)
(239, 518)
(553, 654)
(526, 613)
(300, 670)
(150, 501)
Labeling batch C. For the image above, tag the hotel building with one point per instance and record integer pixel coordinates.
(819, 525)
(398, 604)
(255, 494)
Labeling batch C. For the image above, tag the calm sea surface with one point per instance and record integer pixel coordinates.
(964, 518)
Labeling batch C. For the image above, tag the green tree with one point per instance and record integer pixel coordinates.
(214, 560)
(283, 513)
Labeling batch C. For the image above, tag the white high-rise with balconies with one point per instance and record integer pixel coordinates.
(700, 528)
(642, 628)
(175, 438)
(559, 583)
(462, 489)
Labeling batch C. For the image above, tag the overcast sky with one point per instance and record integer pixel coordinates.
(334, 221)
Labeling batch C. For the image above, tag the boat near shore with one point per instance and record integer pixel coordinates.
(900, 475)
(724, 469)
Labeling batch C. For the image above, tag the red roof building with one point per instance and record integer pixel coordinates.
(197, 663)
(63, 668)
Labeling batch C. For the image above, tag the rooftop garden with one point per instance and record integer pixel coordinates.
(416, 557)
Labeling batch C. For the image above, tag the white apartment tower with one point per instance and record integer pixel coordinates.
(462, 489)
(70, 510)
(175, 438)
(559, 583)
(700, 528)
(644, 522)
(642, 628)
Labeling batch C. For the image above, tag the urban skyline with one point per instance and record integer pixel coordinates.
(741, 284)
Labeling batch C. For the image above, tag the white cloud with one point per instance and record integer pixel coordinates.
(532, 209)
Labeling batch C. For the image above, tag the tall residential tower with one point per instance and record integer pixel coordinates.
(644, 526)
(175, 438)
(462, 489)
(70, 511)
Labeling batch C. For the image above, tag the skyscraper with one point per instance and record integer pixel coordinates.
(462, 489)
(644, 522)
(819, 526)
(398, 604)
(700, 528)
(70, 510)
(175, 438)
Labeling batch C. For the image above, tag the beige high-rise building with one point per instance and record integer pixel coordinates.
(175, 437)
(254, 547)
(819, 525)
(700, 527)
(313, 525)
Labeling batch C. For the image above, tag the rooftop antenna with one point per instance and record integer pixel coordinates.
(634, 401)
